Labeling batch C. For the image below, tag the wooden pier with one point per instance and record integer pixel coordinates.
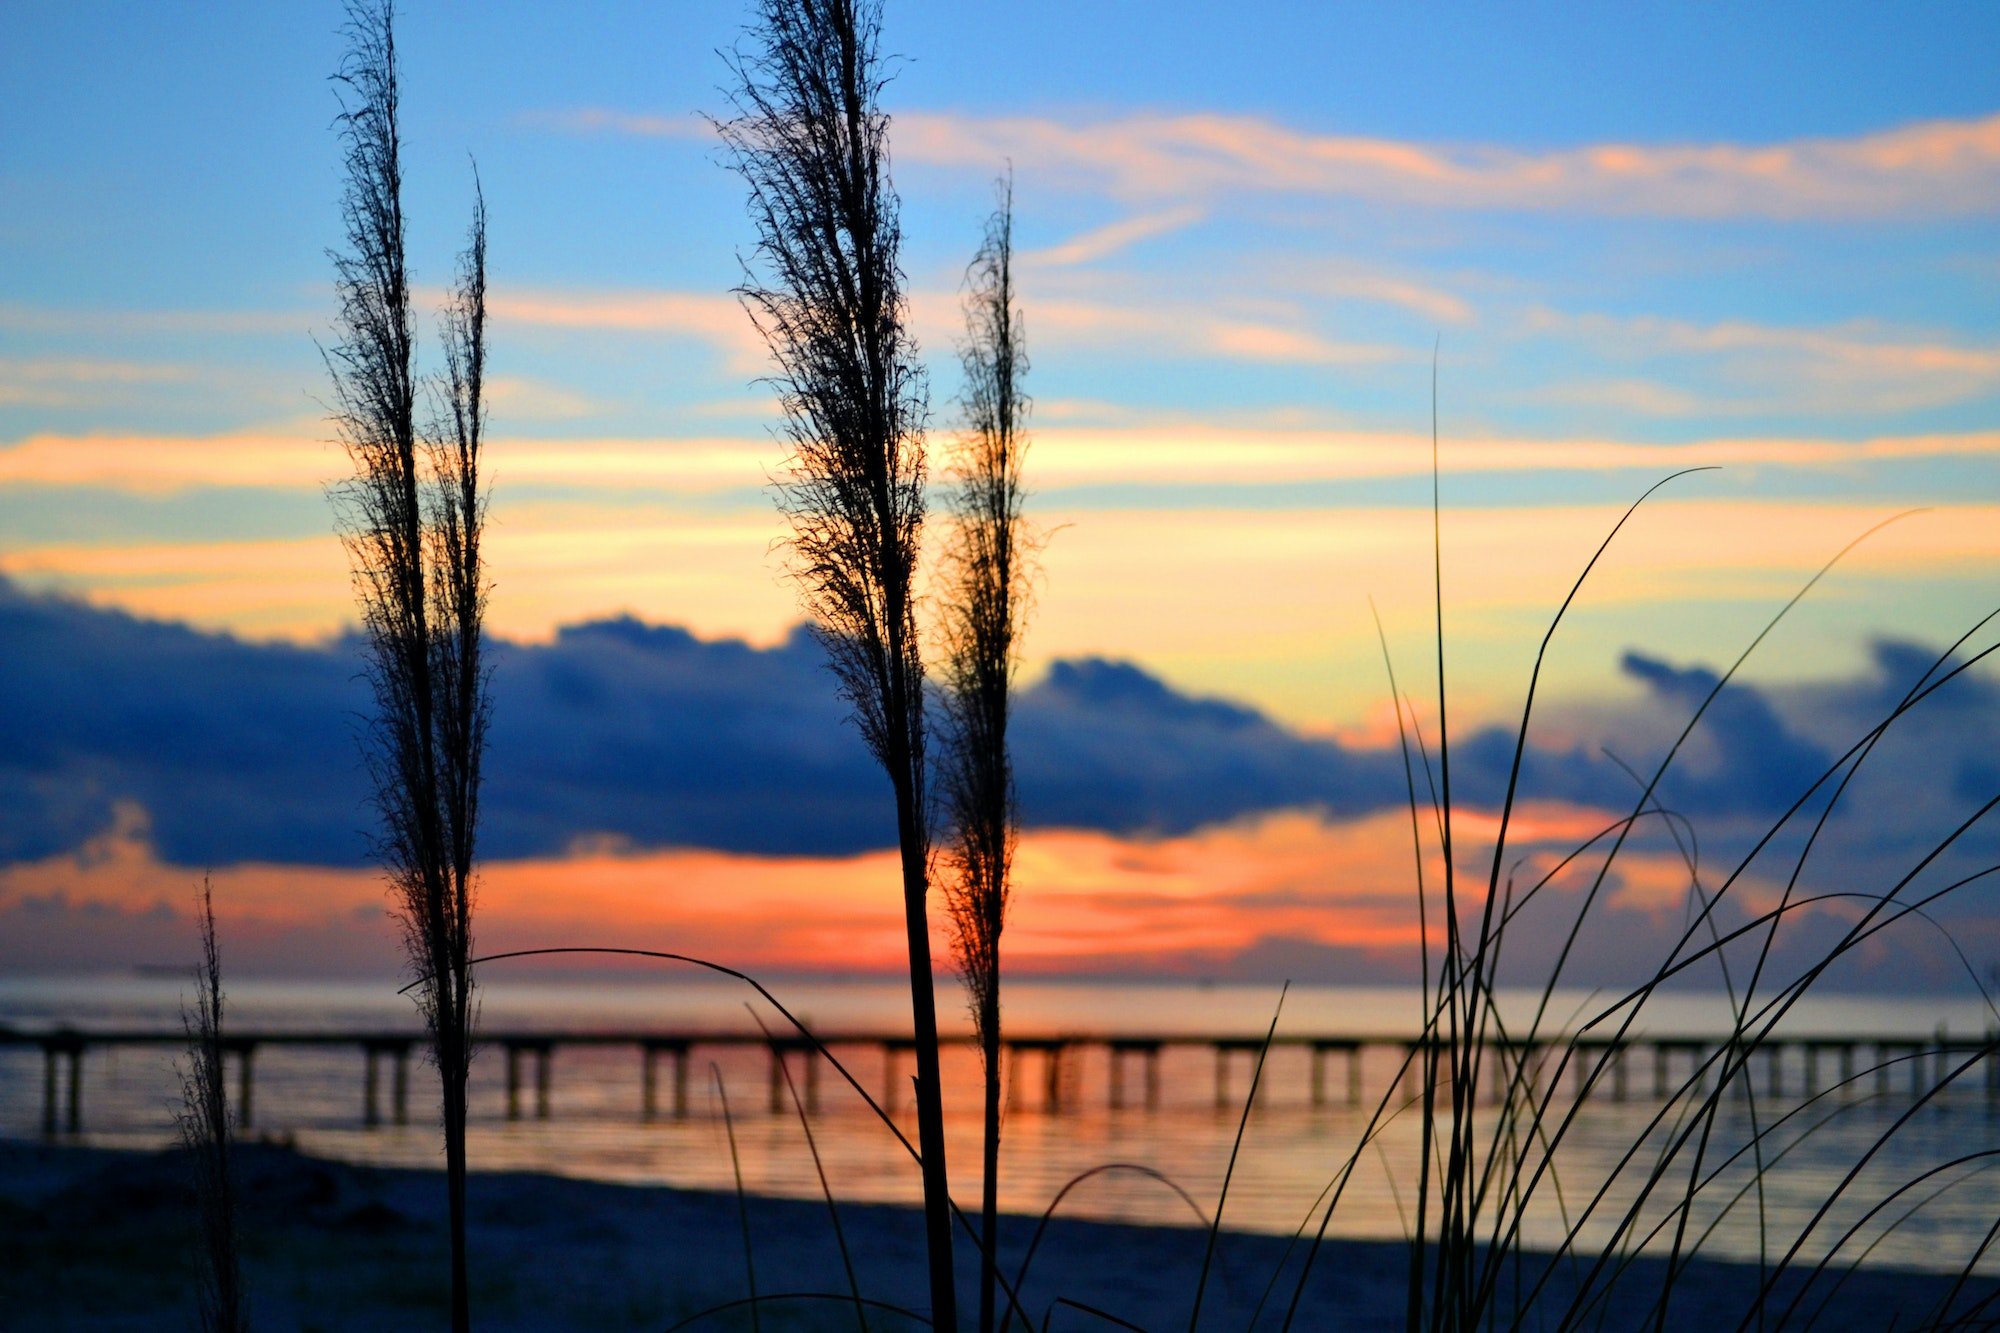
(1675, 1061)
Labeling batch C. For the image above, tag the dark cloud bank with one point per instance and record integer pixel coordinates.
(645, 734)
(649, 737)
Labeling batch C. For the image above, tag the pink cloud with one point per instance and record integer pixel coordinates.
(1948, 168)
(1105, 241)
(1930, 168)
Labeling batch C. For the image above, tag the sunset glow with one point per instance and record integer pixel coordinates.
(1237, 310)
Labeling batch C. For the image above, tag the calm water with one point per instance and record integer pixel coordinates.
(1290, 1152)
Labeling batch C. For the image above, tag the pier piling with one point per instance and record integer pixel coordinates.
(1149, 1054)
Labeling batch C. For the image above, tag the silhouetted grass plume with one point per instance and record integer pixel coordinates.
(205, 1133)
(984, 592)
(811, 143)
(412, 520)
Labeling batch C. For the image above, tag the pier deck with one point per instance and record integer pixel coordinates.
(1673, 1061)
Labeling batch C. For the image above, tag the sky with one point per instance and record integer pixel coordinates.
(1254, 242)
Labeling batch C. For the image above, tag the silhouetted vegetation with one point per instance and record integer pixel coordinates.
(412, 521)
(811, 142)
(826, 294)
(1485, 1171)
(985, 591)
(205, 1133)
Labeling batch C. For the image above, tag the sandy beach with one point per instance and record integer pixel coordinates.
(99, 1240)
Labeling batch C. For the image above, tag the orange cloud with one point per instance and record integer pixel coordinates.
(1084, 901)
(713, 318)
(553, 564)
(1173, 451)
(168, 464)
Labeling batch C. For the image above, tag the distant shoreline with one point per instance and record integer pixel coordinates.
(101, 1235)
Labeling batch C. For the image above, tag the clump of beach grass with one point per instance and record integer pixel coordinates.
(1487, 1173)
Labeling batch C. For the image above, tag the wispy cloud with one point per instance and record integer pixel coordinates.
(1855, 367)
(1429, 302)
(715, 318)
(605, 120)
(1206, 895)
(1931, 168)
(16, 317)
(1103, 242)
(70, 382)
(1228, 598)
(524, 398)
(1198, 453)
(1936, 168)
(1269, 331)
(1263, 332)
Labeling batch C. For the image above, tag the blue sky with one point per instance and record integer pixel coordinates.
(1766, 234)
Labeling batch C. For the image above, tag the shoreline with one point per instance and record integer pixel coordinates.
(98, 1239)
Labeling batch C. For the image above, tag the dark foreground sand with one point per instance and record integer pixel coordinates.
(100, 1240)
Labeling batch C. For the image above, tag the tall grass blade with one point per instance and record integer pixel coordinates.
(825, 1189)
(1235, 1148)
(742, 1199)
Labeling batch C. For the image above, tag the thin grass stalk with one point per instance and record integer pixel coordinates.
(1468, 1048)
(1476, 1015)
(1449, 1245)
(1965, 1273)
(1680, 741)
(1694, 1082)
(756, 1303)
(1081, 1177)
(1465, 1020)
(1385, 1111)
(1545, 1162)
(1979, 1160)
(1771, 1014)
(985, 592)
(1853, 1172)
(1064, 1302)
(819, 1167)
(205, 1133)
(811, 144)
(1772, 1011)
(742, 1199)
(1414, 1296)
(1235, 1148)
